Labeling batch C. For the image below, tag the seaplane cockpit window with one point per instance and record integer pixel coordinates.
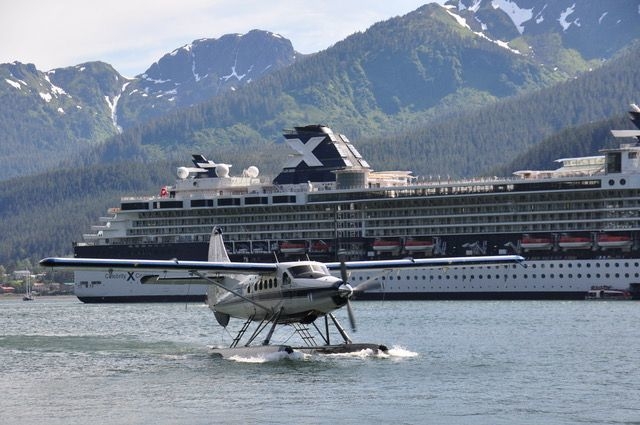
(308, 270)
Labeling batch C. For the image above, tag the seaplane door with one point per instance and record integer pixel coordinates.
(285, 288)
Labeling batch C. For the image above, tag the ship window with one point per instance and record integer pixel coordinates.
(284, 199)
(255, 200)
(228, 201)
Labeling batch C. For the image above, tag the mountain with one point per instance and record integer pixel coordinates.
(47, 116)
(201, 71)
(53, 115)
(596, 29)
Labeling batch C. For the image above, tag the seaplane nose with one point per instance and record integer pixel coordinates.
(345, 290)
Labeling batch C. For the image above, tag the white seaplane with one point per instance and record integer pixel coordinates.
(271, 294)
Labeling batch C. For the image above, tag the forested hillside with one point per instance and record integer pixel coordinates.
(472, 143)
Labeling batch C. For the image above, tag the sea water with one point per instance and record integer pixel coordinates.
(481, 362)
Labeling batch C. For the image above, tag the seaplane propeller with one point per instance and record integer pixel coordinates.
(346, 291)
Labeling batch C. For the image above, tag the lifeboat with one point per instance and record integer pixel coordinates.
(606, 292)
(293, 247)
(539, 242)
(320, 246)
(384, 245)
(614, 241)
(418, 245)
(574, 242)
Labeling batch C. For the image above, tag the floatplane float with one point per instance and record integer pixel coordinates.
(295, 293)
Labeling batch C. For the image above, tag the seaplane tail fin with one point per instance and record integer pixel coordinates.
(217, 250)
(217, 253)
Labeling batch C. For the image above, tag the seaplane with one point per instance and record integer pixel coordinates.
(268, 295)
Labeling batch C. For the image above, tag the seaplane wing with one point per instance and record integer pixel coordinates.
(242, 268)
(426, 262)
(158, 266)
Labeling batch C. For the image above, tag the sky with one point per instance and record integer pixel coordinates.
(133, 34)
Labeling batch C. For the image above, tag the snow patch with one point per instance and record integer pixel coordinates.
(152, 80)
(234, 73)
(602, 17)
(193, 67)
(462, 22)
(474, 7)
(15, 84)
(55, 89)
(564, 15)
(539, 16)
(517, 14)
(61, 111)
(46, 96)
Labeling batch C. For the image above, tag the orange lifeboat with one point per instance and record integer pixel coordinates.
(418, 245)
(385, 245)
(287, 247)
(538, 242)
(614, 241)
(574, 242)
(320, 246)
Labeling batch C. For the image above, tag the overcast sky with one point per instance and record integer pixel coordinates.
(132, 34)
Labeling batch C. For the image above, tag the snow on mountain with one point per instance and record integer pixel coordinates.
(595, 28)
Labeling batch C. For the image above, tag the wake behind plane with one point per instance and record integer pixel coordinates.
(268, 295)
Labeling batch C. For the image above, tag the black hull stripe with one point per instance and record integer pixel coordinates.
(471, 296)
(373, 296)
(145, 299)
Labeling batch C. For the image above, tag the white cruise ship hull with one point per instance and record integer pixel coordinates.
(538, 280)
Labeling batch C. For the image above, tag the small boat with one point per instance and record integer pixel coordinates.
(28, 295)
(539, 242)
(287, 247)
(606, 240)
(574, 242)
(605, 292)
(418, 245)
(384, 245)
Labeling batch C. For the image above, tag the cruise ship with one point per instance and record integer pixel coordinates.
(578, 226)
